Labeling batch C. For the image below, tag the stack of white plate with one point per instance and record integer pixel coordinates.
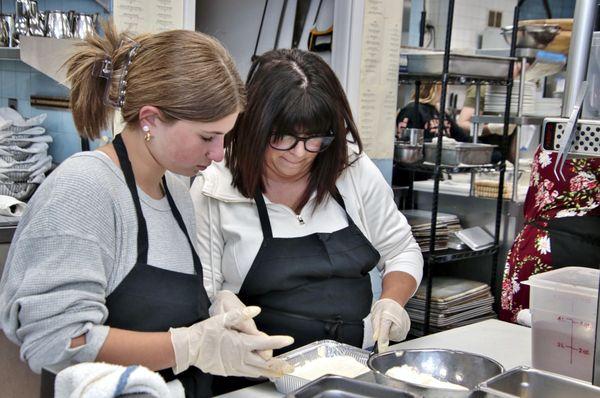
(495, 98)
(547, 107)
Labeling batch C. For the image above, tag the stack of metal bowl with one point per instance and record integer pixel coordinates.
(457, 367)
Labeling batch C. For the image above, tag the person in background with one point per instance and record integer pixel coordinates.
(429, 115)
(562, 226)
(102, 266)
(490, 133)
(297, 215)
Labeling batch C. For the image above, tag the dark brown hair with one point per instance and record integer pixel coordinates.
(291, 91)
(187, 75)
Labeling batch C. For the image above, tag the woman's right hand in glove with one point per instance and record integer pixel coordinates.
(214, 346)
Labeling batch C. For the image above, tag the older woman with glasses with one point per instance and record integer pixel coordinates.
(297, 215)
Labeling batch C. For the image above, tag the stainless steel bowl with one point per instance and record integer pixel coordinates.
(458, 367)
(406, 153)
(532, 36)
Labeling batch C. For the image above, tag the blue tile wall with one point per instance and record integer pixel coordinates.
(534, 9)
(18, 80)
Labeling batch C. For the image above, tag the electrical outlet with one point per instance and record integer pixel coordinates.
(12, 103)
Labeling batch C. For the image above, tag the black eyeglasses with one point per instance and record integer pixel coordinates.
(314, 144)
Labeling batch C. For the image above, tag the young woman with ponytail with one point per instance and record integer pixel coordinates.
(102, 266)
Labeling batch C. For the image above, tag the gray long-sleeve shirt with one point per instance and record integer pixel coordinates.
(74, 245)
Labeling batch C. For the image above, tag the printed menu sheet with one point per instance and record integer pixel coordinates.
(148, 16)
(382, 28)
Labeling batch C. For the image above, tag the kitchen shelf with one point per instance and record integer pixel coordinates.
(449, 255)
(405, 77)
(522, 120)
(10, 54)
(529, 53)
(429, 167)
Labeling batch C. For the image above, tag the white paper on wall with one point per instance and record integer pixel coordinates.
(382, 29)
(148, 16)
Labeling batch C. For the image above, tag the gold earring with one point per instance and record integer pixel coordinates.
(147, 137)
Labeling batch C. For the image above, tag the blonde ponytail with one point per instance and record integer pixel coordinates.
(187, 75)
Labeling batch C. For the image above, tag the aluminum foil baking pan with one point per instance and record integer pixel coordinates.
(312, 351)
(343, 387)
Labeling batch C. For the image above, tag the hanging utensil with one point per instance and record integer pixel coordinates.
(262, 21)
(302, 7)
(320, 40)
(567, 139)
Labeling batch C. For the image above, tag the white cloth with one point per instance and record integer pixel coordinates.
(10, 206)
(102, 380)
(10, 117)
(229, 232)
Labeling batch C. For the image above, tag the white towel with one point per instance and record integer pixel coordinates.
(10, 206)
(9, 115)
(102, 380)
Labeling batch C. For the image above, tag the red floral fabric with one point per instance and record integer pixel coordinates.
(547, 198)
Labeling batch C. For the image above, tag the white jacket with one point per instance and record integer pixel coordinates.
(229, 231)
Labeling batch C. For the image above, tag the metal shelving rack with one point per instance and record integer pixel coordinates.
(434, 257)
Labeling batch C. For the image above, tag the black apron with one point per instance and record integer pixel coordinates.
(152, 299)
(574, 241)
(312, 287)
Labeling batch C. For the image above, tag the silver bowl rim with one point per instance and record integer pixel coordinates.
(382, 354)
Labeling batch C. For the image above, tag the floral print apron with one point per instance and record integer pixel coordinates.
(548, 199)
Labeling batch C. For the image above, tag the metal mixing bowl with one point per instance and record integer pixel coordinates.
(458, 367)
(532, 36)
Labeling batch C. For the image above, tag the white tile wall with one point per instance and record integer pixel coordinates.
(470, 19)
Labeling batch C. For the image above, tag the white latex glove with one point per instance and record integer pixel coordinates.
(225, 301)
(390, 322)
(215, 347)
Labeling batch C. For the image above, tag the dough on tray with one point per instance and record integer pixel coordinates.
(341, 365)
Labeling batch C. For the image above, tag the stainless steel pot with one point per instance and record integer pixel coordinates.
(22, 9)
(406, 153)
(36, 20)
(83, 25)
(9, 21)
(58, 25)
(412, 136)
(4, 35)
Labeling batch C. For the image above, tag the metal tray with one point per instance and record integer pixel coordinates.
(479, 66)
(342, 387)
(527, 382)
(460, 153)
(318, 349)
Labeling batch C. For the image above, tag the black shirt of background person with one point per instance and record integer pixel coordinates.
(429, 112)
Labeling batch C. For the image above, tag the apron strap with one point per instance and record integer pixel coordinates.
(590, 237)
(263, 214)
(265, 224)
(179, 219)
(142, 236)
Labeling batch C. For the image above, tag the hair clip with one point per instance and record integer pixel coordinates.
(123, 80)
(103, 69)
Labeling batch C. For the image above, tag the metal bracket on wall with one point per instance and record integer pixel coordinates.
(49, 102)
